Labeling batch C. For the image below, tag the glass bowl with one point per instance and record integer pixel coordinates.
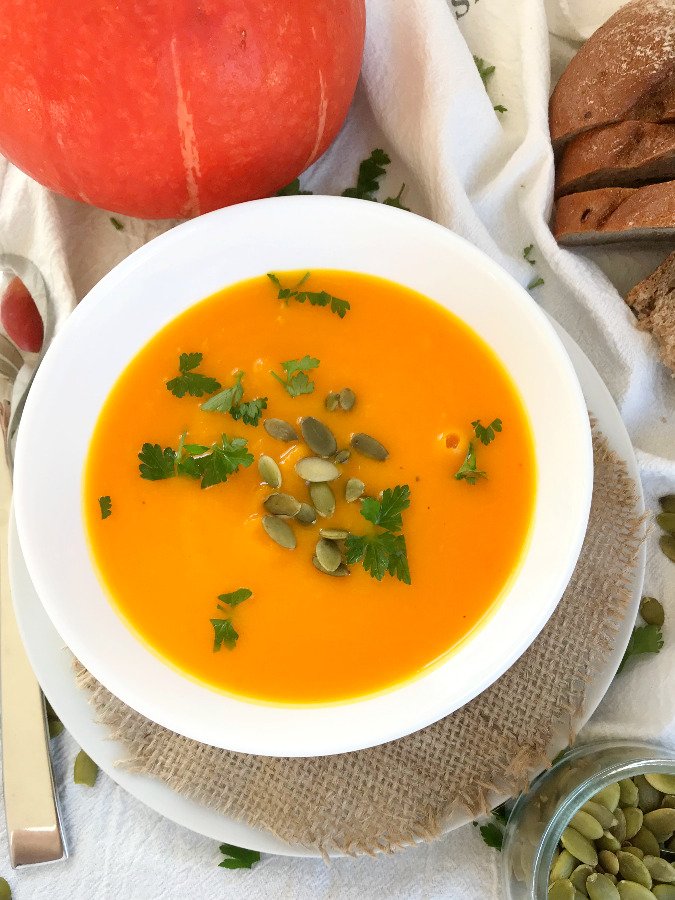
(541, 814)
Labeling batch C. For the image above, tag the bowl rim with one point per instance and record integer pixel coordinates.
(152, 686)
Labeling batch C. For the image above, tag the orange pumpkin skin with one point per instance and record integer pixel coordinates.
(172, 108)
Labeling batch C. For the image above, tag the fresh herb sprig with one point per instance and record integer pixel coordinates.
(371, 170)
(315, 298)
(383, 551)
(238, 857)
(296, 380)
(231, 401)
(527, 254)
(469, 470)
(486, 71)
(486, 434)
(105, 504)
(190, 382)
(212, 465)
(644, 639)
(224, 632)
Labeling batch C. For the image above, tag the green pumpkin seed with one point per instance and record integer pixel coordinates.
(579, 877)
(342, 456)
(669, 801)
(316, 470)
(634, 819)
(282, 505)
(629, 890)
(85, 770)
(588, 826)
(633, 869)
(628, 793)
(646, 841)
(609, 796)
(664, 892)
(601, 813)
(667, 545)
(612, 878)
(269, 471)
(280, 430)
(332, 401)
(280, 532)
(328, 554)
(609, 862)
(563, 866)
(661, 782)
(353, 489)
(609, 842)
(579, 846)
(600, 887)
(628, 848)
(334, 534)
(666, 521)
(619, 830)
(660, 869)
(668, 503)
(368, 446)
(323, 499)
(561, 890)
(318, 437)
(347, 399)
(340, 571)
(650, 798)
(661, 823)
(5, 890)
(652, 611)
(306, 515)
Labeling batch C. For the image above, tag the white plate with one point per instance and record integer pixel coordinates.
(53, 662)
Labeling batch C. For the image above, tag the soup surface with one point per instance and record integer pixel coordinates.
(167, 549)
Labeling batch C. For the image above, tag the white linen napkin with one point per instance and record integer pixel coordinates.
(488, 176)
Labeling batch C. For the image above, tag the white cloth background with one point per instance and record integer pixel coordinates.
(489, 178)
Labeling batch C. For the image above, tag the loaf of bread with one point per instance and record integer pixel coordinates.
(625, 70)
(616, 214)
(629, 154)
(653, 302)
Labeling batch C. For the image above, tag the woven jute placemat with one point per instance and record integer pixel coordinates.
(390, 796)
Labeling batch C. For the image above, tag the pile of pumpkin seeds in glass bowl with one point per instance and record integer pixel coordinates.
(319, 472)
(620, 844)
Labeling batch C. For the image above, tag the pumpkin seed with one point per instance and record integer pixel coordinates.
(646, 842)
(85, 770)
(322, 498)
(661, 782)
(5, 890)
(269, 471)
(600, 887)
(563, 866)
(601, 813)
(332, 401)
(353, 489)
(280, 532)
(334, 534)
(666, 521)
(318, 437)
(668, 503)
(282, 505)
(664, 892)
(650, 798)
(628, 793)
(633, 869)
(634, 818)
(579, 846)
(669, 801)
(561, 890)
(661, 823)
(612, 878)
(667, 545)
(588, 826)
(328, 554)
(609, 796)
(609, 842)
(316, 470)
(340, 571)
(579, 877)
(306, 515)
(280, 430)
(342, 456)
(619, 830)
(652, 611)
(609, 862)
(368, 446)
(347, 399)
(628, 848)
(660, 869)
(629, 890)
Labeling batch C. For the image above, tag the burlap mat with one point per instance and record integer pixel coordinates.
(389, 796)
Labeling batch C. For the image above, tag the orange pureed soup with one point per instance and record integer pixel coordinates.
(169, 548)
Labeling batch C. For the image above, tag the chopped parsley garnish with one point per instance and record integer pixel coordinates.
(116, 224)
(224, 460)
(292, 189)
(234, 598)
(485, 70)
(396, 201)
(238, 857)
(230, 401)
(527, 254)
(224, 634)
(644, 639)
(315, 298)
(492, 835)
(468, 471)
(106, 506)
(297, 381)
(536, 282)
(371, 171)
(190, 382)
(212, 465)
(500, 108)
(157, 463)
(487, 434)
(383, 551)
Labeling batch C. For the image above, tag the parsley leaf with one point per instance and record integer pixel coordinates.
(116, 224)
(499, 108)
(297, 381)
(536, 282)
(234, 598)
(384, 551)
(371, 171)
(468, 471)
(238, 857)
(644, 639)
(189, 382)
(155, 463)
(387, 512)
(396, 201)
(224, 459)
(500, 814)
(492, 835)
(292, 189)
(316, 298)
(527, 254)
(487, 435)
(230, 401)
(224, 634)
(250, 411)
(485, 70)
(106, 506)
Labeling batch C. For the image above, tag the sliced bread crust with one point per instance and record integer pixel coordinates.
(653, 302)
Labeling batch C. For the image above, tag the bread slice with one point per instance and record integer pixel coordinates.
(653, 302)
(629, 154)
(625, 70)
(616, 214)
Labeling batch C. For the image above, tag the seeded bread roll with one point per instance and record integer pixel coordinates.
(616, 214)
(653, 302)
(629, 154)
(625, 70)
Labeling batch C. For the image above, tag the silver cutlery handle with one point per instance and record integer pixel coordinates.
(33, 825)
